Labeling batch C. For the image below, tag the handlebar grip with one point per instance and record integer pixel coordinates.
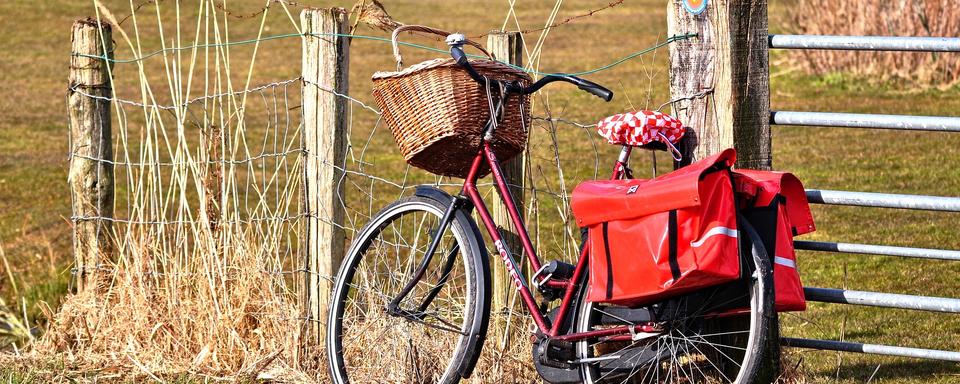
(461, 58)
(595, 89)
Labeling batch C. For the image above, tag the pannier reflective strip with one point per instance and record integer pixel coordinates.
(785, 262)
(714, 232)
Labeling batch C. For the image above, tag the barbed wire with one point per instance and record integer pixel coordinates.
(668, 41)
(168, 107)
(222, 7)
(564, 121)
(697, 95)
(194, 162)
(565, 21)
(348, 97)
(295, 151)
(216, 180)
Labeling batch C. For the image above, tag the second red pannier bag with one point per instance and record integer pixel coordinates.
(776, 206)
(654, 239)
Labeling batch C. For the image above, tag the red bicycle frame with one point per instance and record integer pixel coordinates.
(569, 287)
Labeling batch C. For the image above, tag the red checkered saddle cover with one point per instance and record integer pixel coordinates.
(641, 128)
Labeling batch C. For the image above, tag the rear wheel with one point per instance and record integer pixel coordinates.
(434, 332)
(697, 338)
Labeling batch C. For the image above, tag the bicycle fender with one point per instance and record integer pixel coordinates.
(433, 193)
(441, 196)
(481, 317)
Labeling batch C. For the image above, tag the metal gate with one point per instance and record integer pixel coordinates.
(882, 200)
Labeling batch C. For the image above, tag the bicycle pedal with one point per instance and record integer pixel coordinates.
(555, 353)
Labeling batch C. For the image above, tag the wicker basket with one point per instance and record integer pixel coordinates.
(437, 112)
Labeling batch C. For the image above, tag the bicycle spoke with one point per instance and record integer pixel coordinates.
(685, 352)
(711, 363)
(412, 344)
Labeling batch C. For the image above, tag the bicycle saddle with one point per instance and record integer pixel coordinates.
(641, 128)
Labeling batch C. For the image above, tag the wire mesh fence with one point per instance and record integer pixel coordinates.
(208, 266)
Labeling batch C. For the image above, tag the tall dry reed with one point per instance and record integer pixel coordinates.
(204, 277)
(207, 279)
(880, 18)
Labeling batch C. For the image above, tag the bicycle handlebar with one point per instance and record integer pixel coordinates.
(593, 88)
(461, 59)
(585, 85)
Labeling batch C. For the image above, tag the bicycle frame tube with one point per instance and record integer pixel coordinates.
(488, 157)
(470, 190)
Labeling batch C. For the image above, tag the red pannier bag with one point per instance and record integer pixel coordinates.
(776, 206)
(654, 239)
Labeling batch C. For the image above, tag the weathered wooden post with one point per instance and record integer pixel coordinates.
(725, 72)
(508, 47)
(722, 80)
(91, 151)
(325, 70)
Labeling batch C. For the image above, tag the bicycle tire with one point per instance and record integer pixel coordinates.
(755, 366)
(475, 308)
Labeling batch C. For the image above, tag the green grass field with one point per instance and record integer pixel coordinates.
(34, 197)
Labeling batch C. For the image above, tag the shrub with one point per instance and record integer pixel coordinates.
(880, 18)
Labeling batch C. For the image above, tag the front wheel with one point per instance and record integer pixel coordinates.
(434, 333)
(717, 335)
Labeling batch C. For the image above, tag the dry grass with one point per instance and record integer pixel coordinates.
(206, 279)
(15, 332)
(387, 360)
(201, 281)
(880, 18)
(31, 154)
(211, 321)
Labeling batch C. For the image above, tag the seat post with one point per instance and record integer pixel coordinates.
(621, 171)
(625, 154)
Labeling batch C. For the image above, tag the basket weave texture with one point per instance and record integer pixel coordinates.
(436, 112)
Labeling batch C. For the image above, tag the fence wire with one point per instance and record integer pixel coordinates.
(210, 218)
(202, 195)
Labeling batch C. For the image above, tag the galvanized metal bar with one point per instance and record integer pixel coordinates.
(876, 349)
(883, 250)
(881, 299)
(864, 120)
(884, 200)
(866, 43)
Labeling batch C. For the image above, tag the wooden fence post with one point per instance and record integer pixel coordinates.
(722, 77)
(508, 47)
(91, 150)
(727, 65)
(324, 71)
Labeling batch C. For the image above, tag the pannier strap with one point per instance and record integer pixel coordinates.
(672, 234)
(606, 253)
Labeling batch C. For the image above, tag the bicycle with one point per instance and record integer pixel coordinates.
(411, 301)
